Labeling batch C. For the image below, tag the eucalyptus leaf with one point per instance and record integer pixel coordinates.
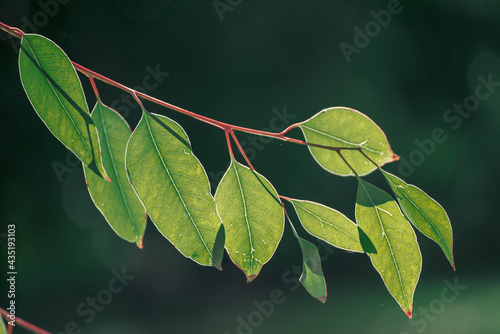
(348, 128)
(328, 225)
(252, 215)
(116, 200)
(424, 213)
(55, 92)
(312, 278)
(397, 255)
(173, 187)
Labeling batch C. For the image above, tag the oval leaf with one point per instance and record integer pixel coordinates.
(328, 225)
(173, 186)
(252, 215)
(345, 127)
(55, 92)
(424, 213)
(397, 255)
(116, 200)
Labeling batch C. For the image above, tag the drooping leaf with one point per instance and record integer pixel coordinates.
(397, 257)
(252, 215)
(312, 278)
(328, 225)
(344, 127)
(424, 213)
(173, 187)
(55, 91)
(116, 200)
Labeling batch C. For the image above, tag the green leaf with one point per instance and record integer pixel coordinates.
(173, 186)
(397, 257)
(54, 89)
(312, 278)
(328, 225)
(3, 329)
(252, 215)
(425, 213)
(116, 200)
(348, 128)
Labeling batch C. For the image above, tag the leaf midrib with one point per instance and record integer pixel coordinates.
(342, 140)
(426, 218)
(175, 186)
(117, 178)
(246, 216)
(326, 222)
(388, 244)
(60, 102)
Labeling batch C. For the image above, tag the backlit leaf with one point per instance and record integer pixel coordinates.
(425, 213)
(54, 89)
(116, 200)
(312, 278)
(397, 255)
(252, 215)
(344, 127)
(328, 225)
(173, 186)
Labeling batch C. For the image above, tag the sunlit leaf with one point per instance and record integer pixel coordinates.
(173, 187)
(344, 127)
(312, 278)
(328, 225)
(116, 200)
(54, 89)
(252, 215)
(397, 255)
(425, 213)
(3, 329)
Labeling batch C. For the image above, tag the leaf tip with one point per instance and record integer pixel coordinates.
(140, 245)
(251, 278)
(218, 266)
(452, 262)
(395, 157)
(409, 312)
(321, 299)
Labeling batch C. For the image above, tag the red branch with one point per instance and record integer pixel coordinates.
(221, 125)
(23, 323)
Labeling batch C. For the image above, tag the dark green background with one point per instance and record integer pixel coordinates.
(264, 55)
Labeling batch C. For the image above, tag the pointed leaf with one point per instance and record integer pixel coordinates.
(312, 278)
(328, 225)
(116, 200)
(397, 258)
(173, 186)
(54, 89)
(252, 215)
(424, 213)
(344, 127)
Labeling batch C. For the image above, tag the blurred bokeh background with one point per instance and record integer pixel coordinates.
(260, 64)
